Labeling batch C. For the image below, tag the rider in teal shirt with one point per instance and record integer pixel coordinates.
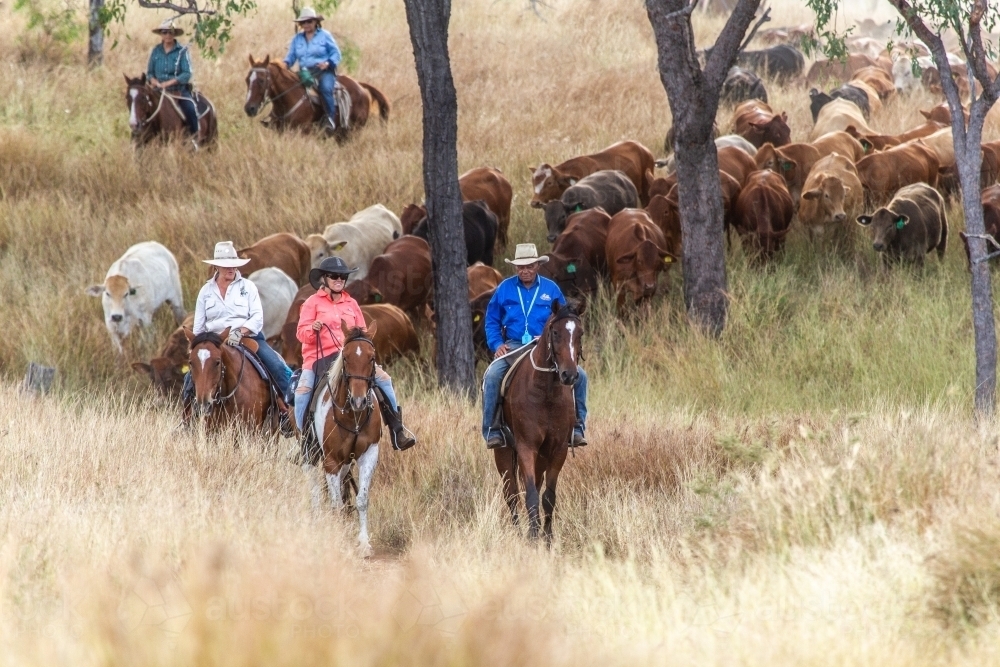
(169, 69)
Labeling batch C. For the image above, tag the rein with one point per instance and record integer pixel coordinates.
(548, 346)
(269, 99)
(156, 112)
(345, 377)
(219, 400)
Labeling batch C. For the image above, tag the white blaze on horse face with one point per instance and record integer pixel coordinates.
(253, 77)
(571, 327)
(132, 120)
(357, 350)
(203, 356)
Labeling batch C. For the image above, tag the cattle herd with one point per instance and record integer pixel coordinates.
(614, 216)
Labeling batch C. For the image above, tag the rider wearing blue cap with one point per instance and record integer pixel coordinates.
(515, 316)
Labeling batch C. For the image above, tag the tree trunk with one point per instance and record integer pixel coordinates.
(694, 99)
(456, 362)
(95, 45)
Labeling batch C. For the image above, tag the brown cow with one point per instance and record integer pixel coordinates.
(629, 156)
(822, 71)
(839, 114)
(282, 250)
(411, 216)
(756, 122)
(882, 174)
(166, 370)
(870, 140)
(841, 143)
(636, 254)
(989, 170)
(942, 114)
(490, 186)
(792, 162)
(763, 214)
(482, 278)
(662, 186)
(577, 259)
(291, 347)
(831, 196)
(396, 335)
(401, 275)
(990, 198)
(665, 214)
(912, 225)
(736, 163)
(874, 101)
(879, 79)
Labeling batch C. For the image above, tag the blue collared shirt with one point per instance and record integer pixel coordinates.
(164, 66)
(504, 310)
(322, 48)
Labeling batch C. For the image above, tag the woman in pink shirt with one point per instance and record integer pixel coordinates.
(321, 336)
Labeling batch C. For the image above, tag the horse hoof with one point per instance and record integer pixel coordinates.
(364, 550)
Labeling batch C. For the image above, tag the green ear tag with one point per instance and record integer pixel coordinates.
(131, 292)
(579, 207)
(900, 222)
(378, 298)
(571, 268)
(785, 166)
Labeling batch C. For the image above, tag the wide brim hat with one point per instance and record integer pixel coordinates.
(225, 256)
(168, 26)
(526, 253)
(309, 14)
(329, 265)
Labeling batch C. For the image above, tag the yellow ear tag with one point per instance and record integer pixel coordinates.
(668, 259)
(185, 368)
(475, 318)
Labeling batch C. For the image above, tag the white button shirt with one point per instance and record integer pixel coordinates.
(240, 308)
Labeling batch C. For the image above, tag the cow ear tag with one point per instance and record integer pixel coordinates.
(571, 268)
(377, 298)
(785, 166)
(668, 259)
(185, 369)
(475, 318)
(900, 223)
(131, 292)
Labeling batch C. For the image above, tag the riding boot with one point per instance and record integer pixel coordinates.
(330, 126)
(498, 430)
(398, 434)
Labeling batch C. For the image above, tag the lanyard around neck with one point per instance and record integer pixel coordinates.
(538, 288)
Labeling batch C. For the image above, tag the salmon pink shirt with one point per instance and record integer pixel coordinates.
(331, 337)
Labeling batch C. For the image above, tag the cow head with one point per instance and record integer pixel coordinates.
(817, 100)
(548, 184)
(166, 375)
(364, 292)
(555, 218)
(828, 200)
(320, 248)
(639, 270)
(885, 225)
(411, 217)
(117, 295)
(775, 130)
(574, 275)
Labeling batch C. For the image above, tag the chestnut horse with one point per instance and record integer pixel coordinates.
(540, 410)
(226, 387)
(154, 114)
(291, 108)
(348, 423)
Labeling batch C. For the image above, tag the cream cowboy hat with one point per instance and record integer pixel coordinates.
(168, 26)
(309, 14)
(526, 253)
(225, 256)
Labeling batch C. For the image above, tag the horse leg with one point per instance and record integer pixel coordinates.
(526, 460)
(549, 497)
(367, 463)
(315, 490)
(506, 461)
(333, 485)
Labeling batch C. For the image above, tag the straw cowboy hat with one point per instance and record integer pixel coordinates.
(526, 253)
(309, 14)
(168, 26)
(225, 256)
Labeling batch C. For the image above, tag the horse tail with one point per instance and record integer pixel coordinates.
(380, 99)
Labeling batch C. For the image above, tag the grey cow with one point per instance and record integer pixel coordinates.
(610, 189)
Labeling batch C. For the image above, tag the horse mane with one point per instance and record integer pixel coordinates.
(207, 337)
(568, 309)
(283, 72)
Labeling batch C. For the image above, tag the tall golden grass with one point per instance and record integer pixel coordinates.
(809, 489)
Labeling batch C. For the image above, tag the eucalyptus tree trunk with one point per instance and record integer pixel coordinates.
(456, 362)
(95, 43)
(694, 99)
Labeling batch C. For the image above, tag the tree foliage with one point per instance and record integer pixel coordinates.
(214, 19)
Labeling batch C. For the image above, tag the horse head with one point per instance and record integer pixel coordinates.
(358, 357)
(563, 336)
(140, 103)
(258, 83)
(207, 368)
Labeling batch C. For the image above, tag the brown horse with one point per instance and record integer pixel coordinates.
(291, 106)
(154, 114)
(348, 422)
(226, 387)
(541, 413)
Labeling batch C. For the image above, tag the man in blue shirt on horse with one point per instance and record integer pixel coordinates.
(515, 316)
(317, 52)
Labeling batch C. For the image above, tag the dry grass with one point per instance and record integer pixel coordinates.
(808, 490)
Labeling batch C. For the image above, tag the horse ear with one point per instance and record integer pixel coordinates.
(555, 306)
(579, 306)
(188, 334)
(372, 328)
(143, 78)
(127, 80)
(343, 327)
(267, 60)
(252, 62)
(225, 334)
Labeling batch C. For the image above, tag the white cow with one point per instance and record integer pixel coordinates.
(277, 291)
(667, 166)
(139, 282)
(902, 70)
(357, 241)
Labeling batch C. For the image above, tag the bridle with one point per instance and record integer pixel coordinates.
(145, 92)
(269, 99)
(345, 379)
(216, 398)
(549, 346)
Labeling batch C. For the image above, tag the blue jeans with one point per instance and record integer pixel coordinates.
(274, 364)
(326, 81)
(187, 106)
(307, 382)
(491, 392)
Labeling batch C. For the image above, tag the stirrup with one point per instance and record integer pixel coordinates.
(578, 439)
(400, 433)
(496, 441)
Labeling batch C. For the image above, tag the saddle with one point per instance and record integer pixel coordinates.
(201, 104)
(343, 99)
(258, 366)
(516, 357)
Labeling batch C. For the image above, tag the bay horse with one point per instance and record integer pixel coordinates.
(348, 423)
(291, 106)
(227, 388)
(540, 409)
(154, 114)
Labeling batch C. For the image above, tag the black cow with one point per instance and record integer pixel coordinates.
(912, 225)
(853, 94)
(480, 231)
(478, 308)
(609, 189)
(781, 62)
(741, 85)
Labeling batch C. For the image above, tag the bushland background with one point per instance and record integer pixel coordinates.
(810, 489)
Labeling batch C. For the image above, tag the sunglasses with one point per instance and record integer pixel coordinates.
(336, 276)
